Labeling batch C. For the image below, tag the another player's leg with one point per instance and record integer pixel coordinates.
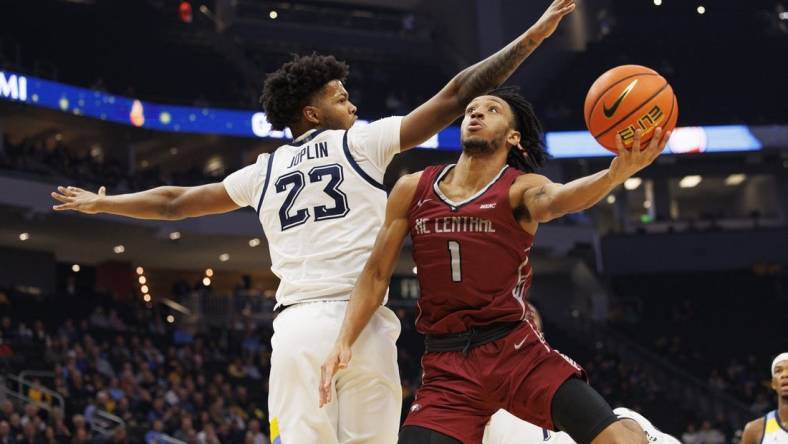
(303, 336)
(581, 412)
(369, 391)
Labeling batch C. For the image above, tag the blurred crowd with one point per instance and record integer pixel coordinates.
(117, 372)
(51, 158)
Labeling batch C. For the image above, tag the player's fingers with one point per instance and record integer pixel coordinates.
(656, 139)
(63, 207)
(64, 190)
(661, 145)
(636, 142)
(566, 10)
(619, 144)
(328, 370)
(323, 391)
(61, 197)
(102, 191)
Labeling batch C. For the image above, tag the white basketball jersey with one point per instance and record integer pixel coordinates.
(774, 431)
(321, 202)
(505, 428)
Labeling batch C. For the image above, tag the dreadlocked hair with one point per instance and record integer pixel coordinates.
(530, 129)
(288, 89)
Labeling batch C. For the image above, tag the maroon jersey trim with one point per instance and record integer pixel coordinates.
(456, 205)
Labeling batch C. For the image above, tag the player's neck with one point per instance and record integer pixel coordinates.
(299, 130)
(782, 410)
(476, 171)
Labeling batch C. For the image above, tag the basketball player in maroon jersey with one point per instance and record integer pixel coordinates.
(473, 225)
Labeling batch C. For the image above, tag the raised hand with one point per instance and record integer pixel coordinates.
(629, 161)
(337, 360)
(77, 199)
(547, 24)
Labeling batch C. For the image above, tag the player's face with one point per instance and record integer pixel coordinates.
(487, 125)
(336, 110)
(780, 379)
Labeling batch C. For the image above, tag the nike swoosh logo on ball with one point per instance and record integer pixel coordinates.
(612, 110)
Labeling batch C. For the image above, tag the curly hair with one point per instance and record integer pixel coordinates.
(288, 89)
(531, 131)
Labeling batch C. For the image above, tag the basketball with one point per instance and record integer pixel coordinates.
(627, 98)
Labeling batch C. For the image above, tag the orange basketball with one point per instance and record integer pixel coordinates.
(627, 98)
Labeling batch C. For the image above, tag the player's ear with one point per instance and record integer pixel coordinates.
(311, 114)
(513, 138)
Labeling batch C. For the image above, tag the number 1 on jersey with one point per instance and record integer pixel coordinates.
(456, 265)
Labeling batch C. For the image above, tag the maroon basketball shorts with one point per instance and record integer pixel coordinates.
(519, 373)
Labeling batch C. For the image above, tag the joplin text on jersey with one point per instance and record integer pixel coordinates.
(315, 151)
(454, 224)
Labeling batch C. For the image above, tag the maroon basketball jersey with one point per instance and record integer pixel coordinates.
(471, 256)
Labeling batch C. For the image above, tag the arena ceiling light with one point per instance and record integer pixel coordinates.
(140, 270)
(690, 181)
(119, 249)
(254, 242)
(701, 9)
(75, 268)
(657, 2)
(24, 236)
(224, 257)
(611, 199)
(735, 179)
(632, 183)
(175, 235)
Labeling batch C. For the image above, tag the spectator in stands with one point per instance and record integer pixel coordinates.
(30, 434)
(119, 436)
(81, 436)
(6, 410)
(254, 435)
(710, 435)
(5, 433)
(15, 422)
(208, 434)
(691, 435)
(156, 436)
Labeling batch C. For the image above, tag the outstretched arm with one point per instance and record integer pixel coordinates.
(546, 200)
(162, 203)
(371, 286)
(443, 108)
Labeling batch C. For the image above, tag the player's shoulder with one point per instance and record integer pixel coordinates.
(526, 181)
(408, 182)
(753, 431)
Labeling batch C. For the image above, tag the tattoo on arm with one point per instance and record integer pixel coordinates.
(493, 71)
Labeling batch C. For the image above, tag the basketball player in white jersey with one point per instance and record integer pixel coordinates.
(321, 202)
(772, 428)
(505, 428)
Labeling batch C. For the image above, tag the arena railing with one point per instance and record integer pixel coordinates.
(19, 390)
